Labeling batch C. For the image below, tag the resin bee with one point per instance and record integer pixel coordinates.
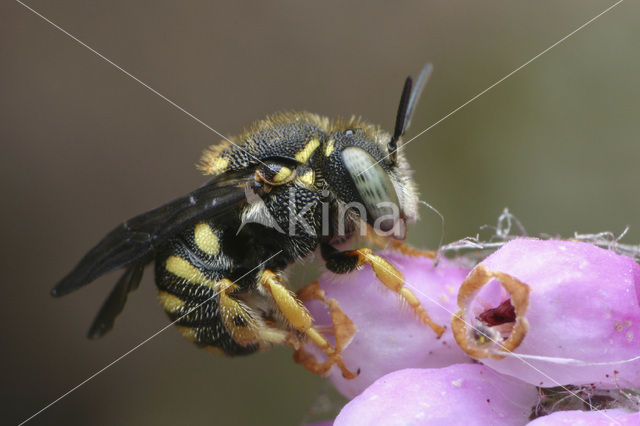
(292, 183)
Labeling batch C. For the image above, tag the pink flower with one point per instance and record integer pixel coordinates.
(464, 394)
(569, 311)
(595, 418)
(389, 337)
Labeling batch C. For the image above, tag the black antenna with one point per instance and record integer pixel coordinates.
(408, 102)
(400, 118)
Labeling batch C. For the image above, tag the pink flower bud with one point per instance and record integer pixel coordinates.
(389, 336)
(464, 394)
(593, 418)
(554, 313)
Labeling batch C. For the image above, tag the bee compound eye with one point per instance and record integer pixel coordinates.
(374, 187)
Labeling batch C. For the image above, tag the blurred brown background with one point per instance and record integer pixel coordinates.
(84, 147)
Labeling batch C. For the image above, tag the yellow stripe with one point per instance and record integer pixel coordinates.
(218, 166)
(220, 163)
(206, 239)
(303, 156)
(170, 302)
(329, 148)
(282, 174)
(187, 332)
(183, 269)
(307, 178)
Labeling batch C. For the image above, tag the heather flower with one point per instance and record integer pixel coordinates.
(615, 417)
(464, 394)
(554, 313)
(389, 337)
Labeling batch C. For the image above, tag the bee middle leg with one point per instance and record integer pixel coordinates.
(298, 316)
(341, 262)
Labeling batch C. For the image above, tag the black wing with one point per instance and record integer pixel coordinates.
(133, 242)
(114, 304)
(136, 239)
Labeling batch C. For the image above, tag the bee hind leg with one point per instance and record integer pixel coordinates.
(342, 328)
(298, 316)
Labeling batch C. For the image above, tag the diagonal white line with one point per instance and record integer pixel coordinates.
(58, 27)
(124, 355)
(222, 136)
(502, 79)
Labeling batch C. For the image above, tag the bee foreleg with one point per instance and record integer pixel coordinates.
(342, 262)
(405, 248)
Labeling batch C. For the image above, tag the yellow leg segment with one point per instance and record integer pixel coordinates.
(393, 279)
(397, 245)
(405, 248)
(295, 312)
(343, 328)
(235, 315)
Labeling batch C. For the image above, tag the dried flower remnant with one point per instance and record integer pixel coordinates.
(505, 313)
(585, 398)
(492, 334)
(577, 314)
(596, 418)
(469, 394)
(388, 336)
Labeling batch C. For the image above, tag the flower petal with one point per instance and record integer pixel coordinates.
(461, 394)
(580, 315)
(389, 337)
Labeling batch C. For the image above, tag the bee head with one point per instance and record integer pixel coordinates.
(364, 177)
(367, 170)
